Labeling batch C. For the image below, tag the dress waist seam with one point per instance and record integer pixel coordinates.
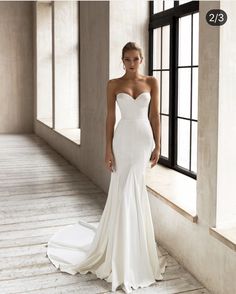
(142, 118)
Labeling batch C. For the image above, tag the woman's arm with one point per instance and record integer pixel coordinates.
(111, 115)
(154, 114)
(110, 122)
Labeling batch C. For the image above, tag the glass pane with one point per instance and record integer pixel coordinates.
(165, 92)
(184, 1)
(185, 40)
(44, 63)
(157, 74)
(157, 6)
(66, 64)
(168, 4)
(195, 93)
(165, 46)
(164, 135)
(194, 148)
(183, 143)
(195, 38)
(157, 48)
(184, 78)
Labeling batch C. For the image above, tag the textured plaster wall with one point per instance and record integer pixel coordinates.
(16, 67)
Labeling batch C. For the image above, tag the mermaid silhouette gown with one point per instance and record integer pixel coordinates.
(121, 247)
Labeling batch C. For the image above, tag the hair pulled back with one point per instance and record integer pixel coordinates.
(131, 46)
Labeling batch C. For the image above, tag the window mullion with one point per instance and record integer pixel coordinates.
(173, 93)
(191, 77)
(53, 64)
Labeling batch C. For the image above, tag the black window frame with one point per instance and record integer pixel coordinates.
(159, 19)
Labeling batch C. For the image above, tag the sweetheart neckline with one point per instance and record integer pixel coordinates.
(132, 96)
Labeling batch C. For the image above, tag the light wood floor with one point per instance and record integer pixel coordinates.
(40, 193)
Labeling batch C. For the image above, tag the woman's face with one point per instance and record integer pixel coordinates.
(132, 60)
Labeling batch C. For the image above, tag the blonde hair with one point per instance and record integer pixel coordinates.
(131, 46)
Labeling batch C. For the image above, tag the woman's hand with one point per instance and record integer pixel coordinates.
(155, 156)
(110, 160)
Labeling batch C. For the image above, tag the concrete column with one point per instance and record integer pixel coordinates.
(207, 116)
(226, 167)
(216, 201)
(16, 67)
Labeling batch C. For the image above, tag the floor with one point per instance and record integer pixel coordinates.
(40, 192)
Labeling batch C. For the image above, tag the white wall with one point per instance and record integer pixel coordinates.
(226, 172)
(128, 22)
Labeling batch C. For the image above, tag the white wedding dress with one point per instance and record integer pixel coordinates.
(121, 248)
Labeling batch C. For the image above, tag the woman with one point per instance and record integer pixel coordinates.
(122, 248)
(132, 82)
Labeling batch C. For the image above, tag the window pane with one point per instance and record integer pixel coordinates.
(184, 78)
(66, 64)
(194, 148)
(168, 4)
(157, 6)
(184, 1)
(195, 37)
(157, 74)
(195, 93)
(185, 40)
(157, 48)
(165, 92)
(164, 135)
(165, 46)
(183, 143)
(44, 63)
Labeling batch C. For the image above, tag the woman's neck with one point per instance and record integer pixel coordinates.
(132, 76)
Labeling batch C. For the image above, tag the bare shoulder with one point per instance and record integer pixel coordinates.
(111, 89)
(112, 83)
(153, 82)
(152, 79)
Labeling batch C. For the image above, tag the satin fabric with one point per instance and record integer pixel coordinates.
(121, 247)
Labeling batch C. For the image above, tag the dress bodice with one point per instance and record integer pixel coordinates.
(131, 108)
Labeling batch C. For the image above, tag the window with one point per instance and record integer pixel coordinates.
(173, 37)
(44, 63)
(66, 64)
(57, 65)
